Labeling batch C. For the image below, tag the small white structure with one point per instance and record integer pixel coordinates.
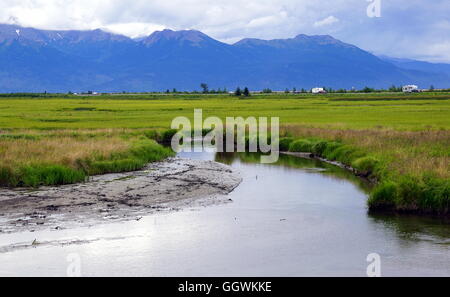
(410, 89)
(318, 91)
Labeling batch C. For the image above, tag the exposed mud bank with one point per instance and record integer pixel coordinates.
(163, 186)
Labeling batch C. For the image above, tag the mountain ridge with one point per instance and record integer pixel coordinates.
(77, 60)
(15, 32)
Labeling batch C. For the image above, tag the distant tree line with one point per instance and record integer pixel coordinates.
(204, 89)
(32, 95)
(238, 92)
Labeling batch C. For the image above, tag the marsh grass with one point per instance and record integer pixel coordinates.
(412, 168)
(63, 157)
(403, 152)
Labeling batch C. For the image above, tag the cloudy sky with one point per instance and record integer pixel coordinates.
(417, 29)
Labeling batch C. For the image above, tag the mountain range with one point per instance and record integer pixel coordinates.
(33, 60)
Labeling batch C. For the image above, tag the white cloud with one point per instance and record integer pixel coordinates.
(326, 21)
(134, 30)
(223, 18)
(437, 52)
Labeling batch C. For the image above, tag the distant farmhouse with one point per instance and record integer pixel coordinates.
(410, 89)
(318, 91)
(89, 93)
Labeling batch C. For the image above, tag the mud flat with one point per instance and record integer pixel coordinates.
(164, 186)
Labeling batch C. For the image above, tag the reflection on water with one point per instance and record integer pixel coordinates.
(289, 161)
(415, 228)
(408, 227)
(299, 217)
(320, 192)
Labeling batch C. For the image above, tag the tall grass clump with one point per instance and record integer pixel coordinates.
(302, 145)
(436, 195)
(40, 175)
(34, 176)
(366, 164)
(384, 196)
(285, 143)
(319, 147)
(412, 194)
(141, 153)
(166, 136)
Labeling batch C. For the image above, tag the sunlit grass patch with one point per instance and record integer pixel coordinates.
(64, 159)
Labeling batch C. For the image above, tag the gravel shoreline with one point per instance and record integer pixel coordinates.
(163, 186)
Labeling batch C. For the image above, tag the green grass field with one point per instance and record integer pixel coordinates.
(400, 140)
(353, 111)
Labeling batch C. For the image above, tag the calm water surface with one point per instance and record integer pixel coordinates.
(295, 218)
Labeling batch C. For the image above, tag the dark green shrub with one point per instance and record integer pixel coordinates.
(345, 154)
(301, 145)
(330, 148)
(319, 147)
(166, 136)
(285, 143)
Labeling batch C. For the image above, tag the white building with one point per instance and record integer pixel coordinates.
(318, 91)
(410, 89)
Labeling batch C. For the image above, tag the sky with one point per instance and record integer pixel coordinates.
(416, 29)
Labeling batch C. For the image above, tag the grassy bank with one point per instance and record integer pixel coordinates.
(411, 169)
(31, 160)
